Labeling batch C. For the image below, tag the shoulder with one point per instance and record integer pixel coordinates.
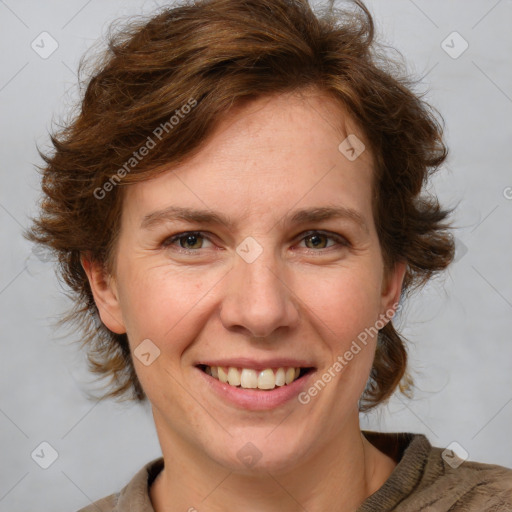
(106, 504)
(429, 478)
(134, 495)
(449, 483)
(466, 484)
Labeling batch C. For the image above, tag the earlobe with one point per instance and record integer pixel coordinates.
(392, 289)
(105, 295)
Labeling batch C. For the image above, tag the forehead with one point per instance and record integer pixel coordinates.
(265, 156)
(303, 122)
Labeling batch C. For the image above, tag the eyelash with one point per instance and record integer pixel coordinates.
(170, 241)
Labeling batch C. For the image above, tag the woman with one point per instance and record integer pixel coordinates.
(239, 202)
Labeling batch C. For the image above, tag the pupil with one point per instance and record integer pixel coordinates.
(191, 240)
(316, 240)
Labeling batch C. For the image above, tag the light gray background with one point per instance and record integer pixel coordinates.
(459, 326)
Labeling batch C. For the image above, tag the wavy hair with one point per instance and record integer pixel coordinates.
(211, 55)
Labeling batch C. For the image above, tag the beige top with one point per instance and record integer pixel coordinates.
(422, 481)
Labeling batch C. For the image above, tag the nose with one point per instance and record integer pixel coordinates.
(258, 301)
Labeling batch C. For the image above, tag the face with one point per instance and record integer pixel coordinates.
(258, 253)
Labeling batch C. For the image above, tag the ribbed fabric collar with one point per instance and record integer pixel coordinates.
(412, 452)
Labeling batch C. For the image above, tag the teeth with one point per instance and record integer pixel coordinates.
(223, 376)
(280, 377)
(266, 379)
(248, 378)
(234, 377)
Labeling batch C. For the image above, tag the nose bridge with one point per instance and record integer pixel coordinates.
(257, 298)
(259, 277)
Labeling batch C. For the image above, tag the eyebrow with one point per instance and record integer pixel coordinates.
(326, 213)
(303, 216)
(185, 214)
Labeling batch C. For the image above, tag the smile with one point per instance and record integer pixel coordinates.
(248, 378)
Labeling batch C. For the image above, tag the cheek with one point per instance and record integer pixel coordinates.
(343, 303)
(342, 311)
(169, 308)
(163, 304)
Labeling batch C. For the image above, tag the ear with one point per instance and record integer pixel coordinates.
(105, 294)
(392, 289)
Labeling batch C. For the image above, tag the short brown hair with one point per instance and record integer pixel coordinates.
(211, 55)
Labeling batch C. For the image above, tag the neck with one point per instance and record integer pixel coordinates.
(338, 477)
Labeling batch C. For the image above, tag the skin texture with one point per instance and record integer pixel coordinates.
(298, 299)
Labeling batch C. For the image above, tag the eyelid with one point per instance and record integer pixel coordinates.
(340, 239)
(170, 240)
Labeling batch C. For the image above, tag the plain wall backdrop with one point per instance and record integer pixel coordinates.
(458, 327)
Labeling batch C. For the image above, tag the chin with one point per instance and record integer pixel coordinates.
(263, 451)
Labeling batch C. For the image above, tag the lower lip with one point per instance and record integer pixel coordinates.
(254, 399)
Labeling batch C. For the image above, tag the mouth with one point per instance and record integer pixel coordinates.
(265, 379)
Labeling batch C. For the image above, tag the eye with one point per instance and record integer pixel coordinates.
(321, 240)
(189, 241)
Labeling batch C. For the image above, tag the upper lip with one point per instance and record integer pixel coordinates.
(244, 362)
